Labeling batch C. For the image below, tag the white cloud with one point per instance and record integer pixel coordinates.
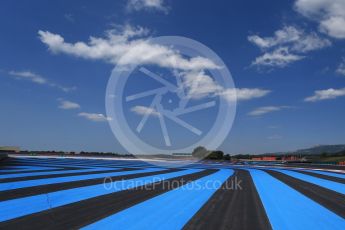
(38, 79)
(97, 117)
(199, 85)
(279, 57)
(122, 46)
(127, 45)
(286, 46)
(243, 94)
(138, 5)
(65, 104)
(266, 109)
(326, 94)
(330, 14)
(143, 110)
(28, 76)
(310, 42)
(341, 68)
(294, 38)
(334, 27)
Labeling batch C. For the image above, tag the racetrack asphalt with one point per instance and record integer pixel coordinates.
(56, 193)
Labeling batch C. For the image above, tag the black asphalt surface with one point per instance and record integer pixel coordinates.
(326, 177)
(332, 200)
(232, 207)
(60, 175)
(35, 190)
(236, 205)
(79, 214)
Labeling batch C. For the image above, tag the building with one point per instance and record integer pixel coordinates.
(264, 158)
(290, 158)
(256, 158)
(269, 158)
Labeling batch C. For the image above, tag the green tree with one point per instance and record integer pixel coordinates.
(216, 155)
(200, 152)
(227, 157)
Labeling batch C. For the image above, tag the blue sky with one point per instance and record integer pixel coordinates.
(287, 60)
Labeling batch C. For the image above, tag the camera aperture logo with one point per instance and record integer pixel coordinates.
(185, 99)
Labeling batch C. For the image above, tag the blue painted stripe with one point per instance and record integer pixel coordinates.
(62, 163)
(288, 209)
(28, 205)
(338, 187)
(325, 173)
(85, 165)
(171, 210)
(56, 180)
(7, 176)
(28, 168)
(66, 160)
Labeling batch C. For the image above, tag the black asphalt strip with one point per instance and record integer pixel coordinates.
(33, 171)
(232, 208)
(59, 175)
(76, 215)
(35, 190)
(330, 199)
(326, 177)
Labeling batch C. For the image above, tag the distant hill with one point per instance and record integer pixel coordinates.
(321, 149)
(316, 150)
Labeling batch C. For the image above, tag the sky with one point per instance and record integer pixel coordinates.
(286, 58)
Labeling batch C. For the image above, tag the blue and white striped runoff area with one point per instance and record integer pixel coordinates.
(56, 193)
